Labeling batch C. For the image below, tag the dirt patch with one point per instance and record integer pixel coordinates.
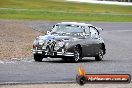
(16, 39)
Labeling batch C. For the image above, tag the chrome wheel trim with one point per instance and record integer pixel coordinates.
(101, 54)
(47, 49)
(76, 55)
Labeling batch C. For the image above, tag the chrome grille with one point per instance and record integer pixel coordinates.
(50, 45)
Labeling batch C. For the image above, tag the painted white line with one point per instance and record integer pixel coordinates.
(104, 2)
(38, 82)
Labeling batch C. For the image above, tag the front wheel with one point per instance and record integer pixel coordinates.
(77, 54)
(100, 56)
(38, 57)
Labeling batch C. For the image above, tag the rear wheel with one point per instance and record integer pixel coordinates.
(100, 56)
(38, 57)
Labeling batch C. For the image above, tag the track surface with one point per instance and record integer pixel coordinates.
(118, 39)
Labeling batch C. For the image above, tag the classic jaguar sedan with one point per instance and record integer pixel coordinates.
(70, 41)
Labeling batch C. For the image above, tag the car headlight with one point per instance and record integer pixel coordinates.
(60, 44)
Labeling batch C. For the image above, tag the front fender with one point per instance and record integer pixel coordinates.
(70, 46)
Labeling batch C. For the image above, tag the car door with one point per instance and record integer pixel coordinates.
(94, 40)
(87, 43)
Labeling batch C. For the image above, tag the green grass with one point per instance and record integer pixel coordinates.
(63, 11)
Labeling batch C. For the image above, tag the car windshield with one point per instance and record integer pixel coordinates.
(67, 29)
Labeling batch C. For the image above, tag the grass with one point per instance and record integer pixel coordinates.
(63, 11)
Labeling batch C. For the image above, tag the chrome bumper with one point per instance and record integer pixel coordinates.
(62, 53)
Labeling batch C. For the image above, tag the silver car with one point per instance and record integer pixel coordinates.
(70, 41)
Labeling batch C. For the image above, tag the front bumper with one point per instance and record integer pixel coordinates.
(55, 53)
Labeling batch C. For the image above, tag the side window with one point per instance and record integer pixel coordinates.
(93, 32)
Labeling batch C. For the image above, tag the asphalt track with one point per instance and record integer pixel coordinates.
(118, 39)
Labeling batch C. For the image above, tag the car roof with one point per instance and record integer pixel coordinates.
(74, 23)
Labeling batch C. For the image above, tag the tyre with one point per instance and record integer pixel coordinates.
(38, 57)
(100, 56)
(77, 54)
